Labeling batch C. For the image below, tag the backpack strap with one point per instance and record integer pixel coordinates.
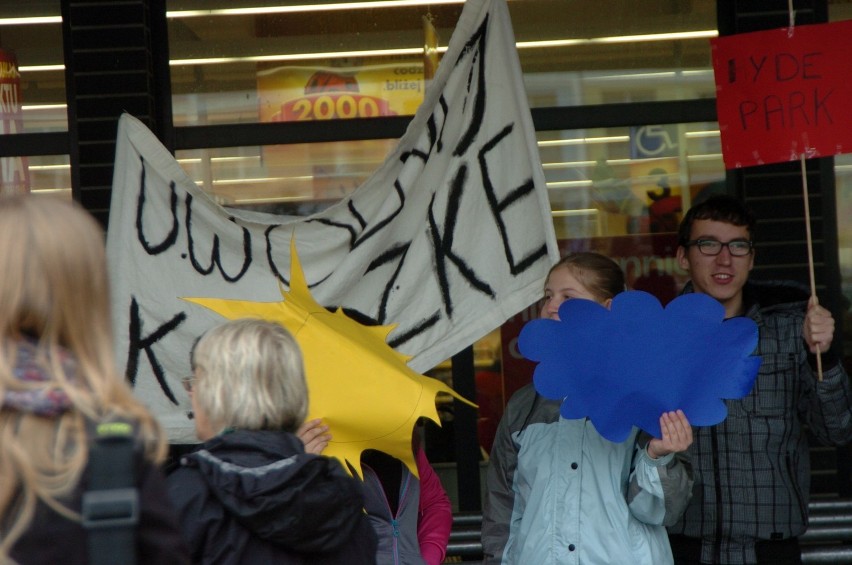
(111, 504)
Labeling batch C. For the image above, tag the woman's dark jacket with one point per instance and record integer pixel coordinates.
(256, 497)
(53, 537)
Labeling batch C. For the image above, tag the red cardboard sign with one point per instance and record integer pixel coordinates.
(784, 92)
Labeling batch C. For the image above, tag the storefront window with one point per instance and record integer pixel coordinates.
(843, 189)
(32, 94)
(32, 70)
(287, 61)
(619, 191)
(843, 175)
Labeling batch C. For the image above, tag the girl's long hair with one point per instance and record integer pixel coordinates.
(54, 293)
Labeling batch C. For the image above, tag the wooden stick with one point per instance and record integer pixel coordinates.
(814, 300)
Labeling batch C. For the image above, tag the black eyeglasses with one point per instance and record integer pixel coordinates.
(188, 383)
(736, 247)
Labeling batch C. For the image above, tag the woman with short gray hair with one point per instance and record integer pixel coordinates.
(258, 385)
(250, 493)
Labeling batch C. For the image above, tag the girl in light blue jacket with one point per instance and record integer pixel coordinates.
(558, 492)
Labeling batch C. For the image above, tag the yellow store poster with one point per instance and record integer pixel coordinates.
(326, 172)
(297, 93)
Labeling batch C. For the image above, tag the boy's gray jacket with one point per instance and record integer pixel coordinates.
(752, 471)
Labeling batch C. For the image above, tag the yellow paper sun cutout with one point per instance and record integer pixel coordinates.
(360, 386)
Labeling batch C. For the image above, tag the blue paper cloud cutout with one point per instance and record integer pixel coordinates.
(625, 366)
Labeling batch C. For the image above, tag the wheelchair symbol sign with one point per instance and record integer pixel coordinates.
(654, 141)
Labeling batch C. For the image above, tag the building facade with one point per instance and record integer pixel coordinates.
(257, 102)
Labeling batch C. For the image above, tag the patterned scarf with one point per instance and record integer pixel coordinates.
(46, 400)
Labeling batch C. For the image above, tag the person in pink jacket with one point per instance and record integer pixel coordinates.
(412, 517)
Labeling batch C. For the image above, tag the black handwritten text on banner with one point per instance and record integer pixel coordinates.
(450, 237)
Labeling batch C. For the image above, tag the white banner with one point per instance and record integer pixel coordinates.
(450, 237)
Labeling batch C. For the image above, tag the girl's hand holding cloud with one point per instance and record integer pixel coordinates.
(677, 435)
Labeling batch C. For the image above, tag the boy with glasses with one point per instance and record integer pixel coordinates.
(752, 471)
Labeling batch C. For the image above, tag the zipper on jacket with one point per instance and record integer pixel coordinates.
(403, 493)
(394, 522)
(395, 526)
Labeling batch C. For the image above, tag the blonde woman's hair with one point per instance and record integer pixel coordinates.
(54, 293)
(250, 375)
